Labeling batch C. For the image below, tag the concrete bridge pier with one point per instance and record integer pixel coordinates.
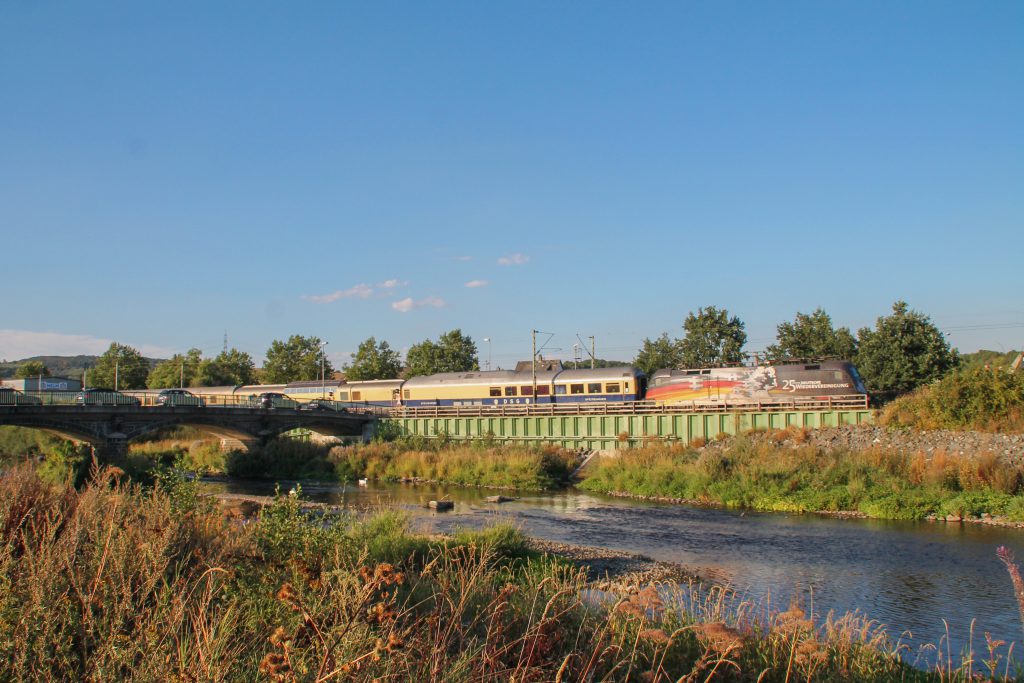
(113, 448)
(235, 444)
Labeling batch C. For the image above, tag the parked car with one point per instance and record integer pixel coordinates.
(323, 404)
(13, 397)
(272, 399)
(101, 396)
(179, 397)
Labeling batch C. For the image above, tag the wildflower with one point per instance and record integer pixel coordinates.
(287, 595)
(276, 666)
(279, 637)
(719, 638)
(655, 635)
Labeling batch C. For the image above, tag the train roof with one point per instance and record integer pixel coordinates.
(315, 383)
(376, 382)
(499, 377)
(612, 373)
(478, 378)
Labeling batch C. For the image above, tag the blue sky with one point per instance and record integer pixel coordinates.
(172, 171)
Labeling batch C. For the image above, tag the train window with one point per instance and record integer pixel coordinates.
(612, 388)
(495, 391)
(812, 367)
(406, 393)
(559, 389)
(526, 391)
(838, 374)
(594, 388)
(357, 395)
(342, 395)
(576, 388)
(543, 390)
(693, 372)
(510, 391)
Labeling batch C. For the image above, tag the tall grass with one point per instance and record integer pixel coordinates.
(473, 464)
(113, 582)
(881, 483)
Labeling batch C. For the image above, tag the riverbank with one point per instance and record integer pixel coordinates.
(852, 471)
(114, 581)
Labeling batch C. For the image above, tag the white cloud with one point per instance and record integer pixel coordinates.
(516, 259)
(18, 344)
(391, 284)
(407, 304)
(473, 284)
(360, 291)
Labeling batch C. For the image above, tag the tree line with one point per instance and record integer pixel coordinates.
(903, 351)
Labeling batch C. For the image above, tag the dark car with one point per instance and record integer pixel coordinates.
(324, 404)
(101, 396)
(272, 399)
(13, 397)
(179, 397)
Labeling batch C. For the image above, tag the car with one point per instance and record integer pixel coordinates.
(102, 396)
(318, 404)
(13, 397)
(179, 397)
(273, 399)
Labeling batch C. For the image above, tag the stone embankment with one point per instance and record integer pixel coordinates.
(866, 437)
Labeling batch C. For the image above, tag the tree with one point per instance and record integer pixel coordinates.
(296, 360)
(373, 361)
(422, 359)
(657, 354)
(32, 368)
(453, 352)
(903, 352)
(120, 367)
(812, 336)
(230, 368)
(711, 338)
(178, 370)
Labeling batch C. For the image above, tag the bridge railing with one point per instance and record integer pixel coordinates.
(853, 402)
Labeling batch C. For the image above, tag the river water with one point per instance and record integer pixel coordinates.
(909, 576)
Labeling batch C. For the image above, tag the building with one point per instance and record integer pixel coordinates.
(32, 384)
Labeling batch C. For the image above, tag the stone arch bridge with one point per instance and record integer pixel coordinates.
(110, 428)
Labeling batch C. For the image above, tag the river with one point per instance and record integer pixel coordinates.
(909, 576)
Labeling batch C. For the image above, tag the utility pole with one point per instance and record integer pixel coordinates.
(593, 358)
(181, 374)
(533, 364)
(575, 356)
(323, 371)
(117, 360)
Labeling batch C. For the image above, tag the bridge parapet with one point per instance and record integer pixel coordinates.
(110, 428)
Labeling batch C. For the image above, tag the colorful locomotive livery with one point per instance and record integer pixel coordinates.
(760, 382)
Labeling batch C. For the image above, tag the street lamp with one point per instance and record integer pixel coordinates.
(488, 340)
(323, 371)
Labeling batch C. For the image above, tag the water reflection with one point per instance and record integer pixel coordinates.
(909, 576)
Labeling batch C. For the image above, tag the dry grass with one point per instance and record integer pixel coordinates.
(113, 582)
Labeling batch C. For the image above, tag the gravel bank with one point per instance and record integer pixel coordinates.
(615, 570)
(864, 437)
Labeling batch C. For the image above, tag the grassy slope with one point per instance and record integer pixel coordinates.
(879, 483)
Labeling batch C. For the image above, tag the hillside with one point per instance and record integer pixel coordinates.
(60, 366)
